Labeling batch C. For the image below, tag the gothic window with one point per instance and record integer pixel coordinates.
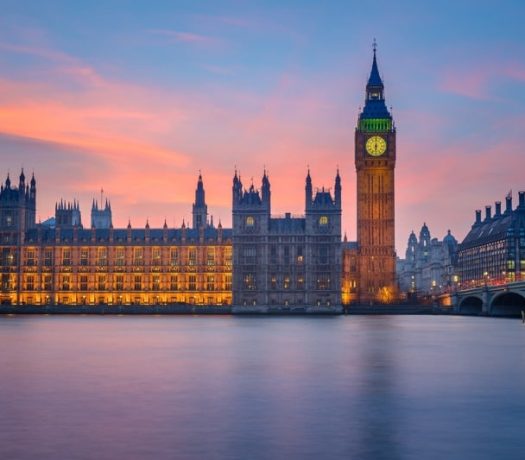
(137, 283)
(155, 256)
(210, 256)
(174, 283)
(286, 282)
(300, 282)
(120, 257)
(249, 282)
(138, 256)
(156, 283)
(250, 221)
(48, 257)
(66, 257)
(102, 257)
(228, 283)
(210, 283)
(65, 283)
(47, 283)
(273, 282)
(101, 282)
(119, 283)
(30, 283)
(192, 256)
(30, 257)
(192, 283)
(84, 257)
(250, 255)
(323, 220)
(174, 256)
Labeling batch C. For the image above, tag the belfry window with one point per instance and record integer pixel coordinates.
(250, 221)
(323, 220)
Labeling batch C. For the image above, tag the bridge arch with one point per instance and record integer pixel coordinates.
(508, 304)
(471, 305)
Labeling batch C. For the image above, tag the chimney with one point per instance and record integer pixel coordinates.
(508, 204)
(487, 212)
(478, 217)
(498, 209)
(521, 200)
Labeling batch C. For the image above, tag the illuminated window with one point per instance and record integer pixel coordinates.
(210, 257)
(156, 283)
(210, 283)
(192, 282)
(101, 282)
(65, 283)
(174, 256)
(138, 256)
(137, 282)
(119, 283)
(286, 282)
(323, 220)
(274, 282)
(30, 283)
(174, 283)
(120, 257)
(228, 283)
(48, 257)
(192, 256)
(249, 282)
(47, 283)
(30, 257)
(102, 256)
(84, 257)
(300, 282)
(156, 256)
(250, 221)
(66, 257)
(83, 283)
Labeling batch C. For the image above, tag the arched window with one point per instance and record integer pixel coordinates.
(323, 220)
(250, 221)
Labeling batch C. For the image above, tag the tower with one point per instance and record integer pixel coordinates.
(200, 210)
(101, 217)
(375, 159)
(67, 215)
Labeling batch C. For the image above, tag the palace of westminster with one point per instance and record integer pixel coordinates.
(261, 260)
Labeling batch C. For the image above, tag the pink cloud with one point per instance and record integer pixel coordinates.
(187, 37)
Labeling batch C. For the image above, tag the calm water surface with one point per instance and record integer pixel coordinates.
(261, 388)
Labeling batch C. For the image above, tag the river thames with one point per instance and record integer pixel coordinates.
(222, 387)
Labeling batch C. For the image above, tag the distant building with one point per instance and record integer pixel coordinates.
(494, 248)
(428, 266)
(286, 260)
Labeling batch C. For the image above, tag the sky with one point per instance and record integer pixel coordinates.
(138, 97)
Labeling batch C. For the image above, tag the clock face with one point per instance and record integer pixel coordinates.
(376, 146)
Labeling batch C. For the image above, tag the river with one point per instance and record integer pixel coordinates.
(223, 387)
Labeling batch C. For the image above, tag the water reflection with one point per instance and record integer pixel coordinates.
(261, 388)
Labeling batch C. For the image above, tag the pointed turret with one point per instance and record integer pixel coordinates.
(265, 190)
(375, 115)
(308, 190)
(200, 210)
(337, 189)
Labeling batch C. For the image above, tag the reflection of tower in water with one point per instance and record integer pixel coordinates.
(376, 415)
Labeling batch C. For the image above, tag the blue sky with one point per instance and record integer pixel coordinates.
(136, 97)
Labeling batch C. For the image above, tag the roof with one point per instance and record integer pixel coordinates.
(121, 234)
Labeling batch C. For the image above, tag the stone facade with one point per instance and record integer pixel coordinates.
(286, 260)
(428, 266)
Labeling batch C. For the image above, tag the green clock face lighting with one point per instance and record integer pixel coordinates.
(376, 146)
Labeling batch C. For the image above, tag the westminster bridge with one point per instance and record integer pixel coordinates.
(497, 299)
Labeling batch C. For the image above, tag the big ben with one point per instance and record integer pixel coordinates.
(375, 159)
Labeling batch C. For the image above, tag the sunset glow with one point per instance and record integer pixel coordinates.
(138, 99)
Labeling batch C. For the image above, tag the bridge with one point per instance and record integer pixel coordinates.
(502, 299)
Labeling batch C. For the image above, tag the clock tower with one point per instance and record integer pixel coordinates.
(375, 159)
